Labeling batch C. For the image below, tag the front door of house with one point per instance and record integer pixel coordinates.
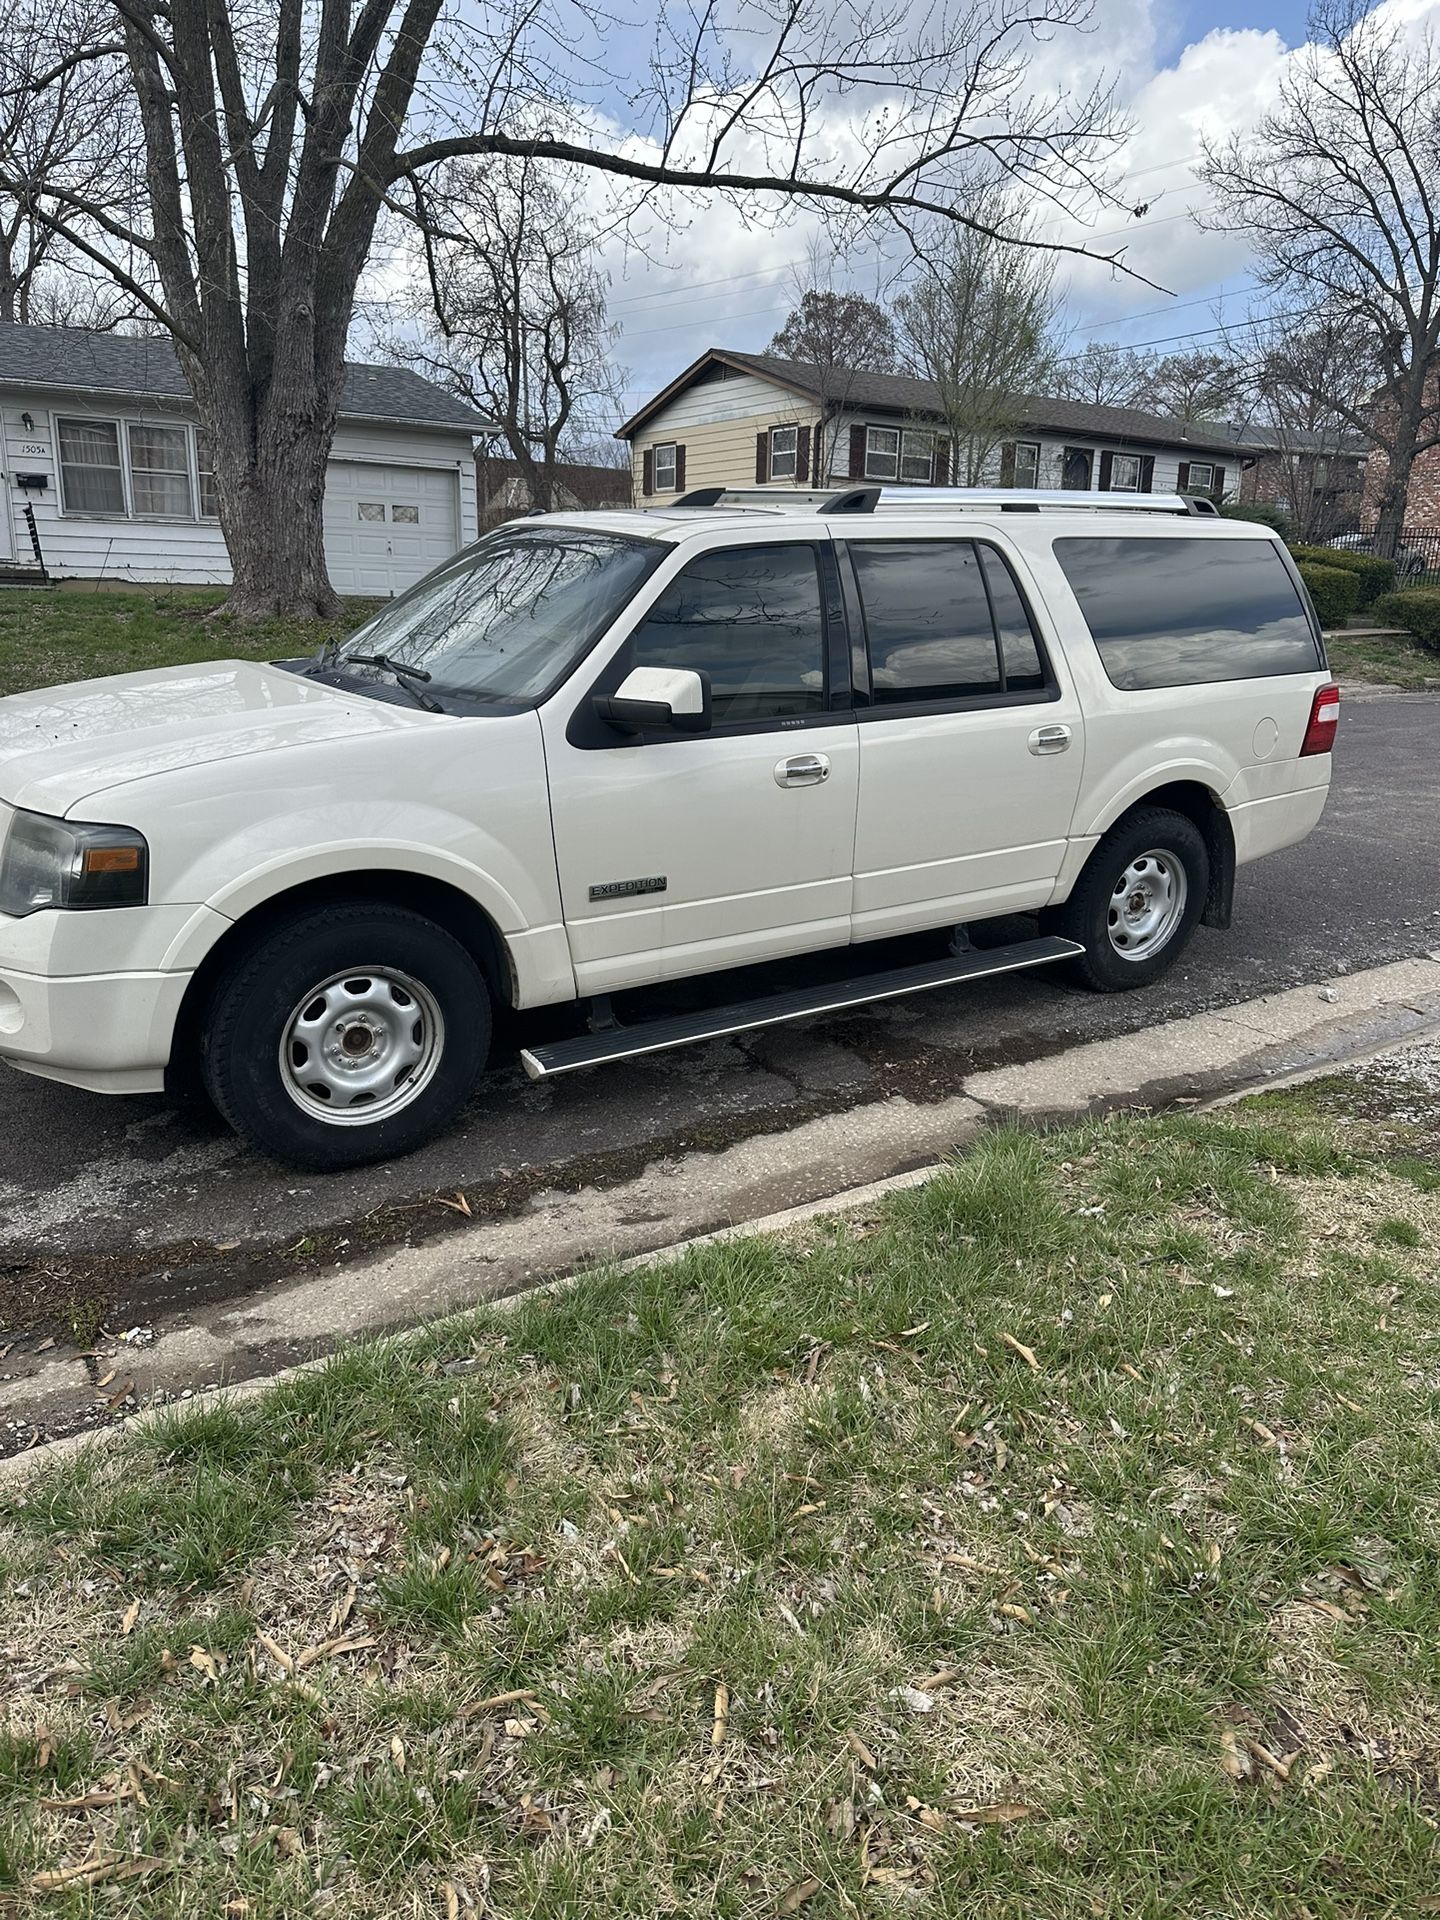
(1075, 473)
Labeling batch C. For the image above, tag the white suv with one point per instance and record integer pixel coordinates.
(604, 750)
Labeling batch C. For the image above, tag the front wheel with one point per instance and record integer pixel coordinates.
(1136, 904)
(348, 1034)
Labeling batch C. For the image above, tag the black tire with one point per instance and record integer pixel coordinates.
(341, 948)
(1087, 915)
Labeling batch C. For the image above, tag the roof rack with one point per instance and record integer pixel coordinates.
(873, 499)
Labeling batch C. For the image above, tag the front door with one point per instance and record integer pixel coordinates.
(683, 853)
(971, 745)
(1077, 467)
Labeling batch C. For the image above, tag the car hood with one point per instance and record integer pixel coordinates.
(63, 745)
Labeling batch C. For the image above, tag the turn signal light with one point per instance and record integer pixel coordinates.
(110, 860)
(1324, 720)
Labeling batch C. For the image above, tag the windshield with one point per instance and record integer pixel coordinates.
(507, 620)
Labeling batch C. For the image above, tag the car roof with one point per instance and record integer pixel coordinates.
(857, 510)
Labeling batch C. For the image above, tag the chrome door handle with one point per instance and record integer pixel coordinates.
(803, 770)
(1049, 740)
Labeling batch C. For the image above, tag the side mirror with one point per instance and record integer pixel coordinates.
(658, 697)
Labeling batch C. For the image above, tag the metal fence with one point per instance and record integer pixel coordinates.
(1417, 556)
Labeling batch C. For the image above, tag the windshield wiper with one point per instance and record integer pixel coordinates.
(404, 673)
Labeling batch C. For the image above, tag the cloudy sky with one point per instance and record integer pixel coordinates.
(1183, 69)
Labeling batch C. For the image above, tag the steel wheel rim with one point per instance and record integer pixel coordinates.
(1147, 904)
(361, 1046)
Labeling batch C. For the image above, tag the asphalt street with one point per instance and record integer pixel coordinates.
(131, 1180)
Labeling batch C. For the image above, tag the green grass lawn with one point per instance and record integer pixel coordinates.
(49, 638)
(1391, 660)
(1062, 1540)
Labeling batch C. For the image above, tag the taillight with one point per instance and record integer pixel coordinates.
(1324, 719)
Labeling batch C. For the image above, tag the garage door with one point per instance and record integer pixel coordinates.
(385, 526)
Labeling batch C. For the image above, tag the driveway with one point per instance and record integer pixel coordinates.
(148, 1200)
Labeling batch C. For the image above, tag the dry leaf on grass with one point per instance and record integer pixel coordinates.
(720, 1729)
(795, 1898)
(999, 1815)
(1027, 1354)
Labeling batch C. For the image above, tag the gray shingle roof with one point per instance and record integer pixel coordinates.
(145, 367)
(902, 393)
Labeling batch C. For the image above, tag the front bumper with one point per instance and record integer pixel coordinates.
(110, 1032)
(92, 998)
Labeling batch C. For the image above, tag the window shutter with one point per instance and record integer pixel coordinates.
(940, 474)
(1147, 474)
(1007, 464)
(762, 458)
(857, 453)
(1184, 477)
(802, 457)
(1218, 489)
(1107, 467)
(679, 469)
(647, 472)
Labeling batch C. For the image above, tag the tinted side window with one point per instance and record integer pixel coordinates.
(1019, 649)
(928, 620)
(1181, 613)
(750, 617)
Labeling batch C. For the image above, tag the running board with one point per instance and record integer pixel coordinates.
(686, 1029)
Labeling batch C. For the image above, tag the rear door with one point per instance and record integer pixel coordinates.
(683, 853)
(971, 736)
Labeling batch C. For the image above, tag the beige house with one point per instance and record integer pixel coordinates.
(746, 419)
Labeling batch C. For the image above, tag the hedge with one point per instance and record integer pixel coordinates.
(1376, 576)
(1417, 609)
(1334, 590)
(1260, 513)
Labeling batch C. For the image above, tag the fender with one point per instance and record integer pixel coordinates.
(1099, 816)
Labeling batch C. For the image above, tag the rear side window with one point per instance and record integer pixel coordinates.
(751, 618)
(1184, 613)
(944, 620)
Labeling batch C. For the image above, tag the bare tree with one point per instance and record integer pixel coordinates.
(977, 324)
(518, 327)
(1339, 187)
(830, 329)
(1308, 377)
(1103, 375)
(277, 133)
(1199, 385)
(62, 126)
(842, 335)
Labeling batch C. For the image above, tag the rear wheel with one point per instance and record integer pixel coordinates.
(1136, 904)
(346, 1035)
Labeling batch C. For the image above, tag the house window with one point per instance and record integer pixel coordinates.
(91, 477)
(917, 458)
(160, 471)
(891, 454)
(665, 468)
(784, 445)
(1202, 477)
(1027, 464)
(205, 474)
(1125, 473)
(882, 453)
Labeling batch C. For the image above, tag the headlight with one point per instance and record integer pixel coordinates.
(57, 863)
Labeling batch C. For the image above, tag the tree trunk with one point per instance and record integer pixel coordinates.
(270, 467)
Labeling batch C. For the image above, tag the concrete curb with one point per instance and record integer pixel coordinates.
(836, 1164)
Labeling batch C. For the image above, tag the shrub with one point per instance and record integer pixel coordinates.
(1376, 576)
(1334, 590)
(1417, 610)
(1260, 512)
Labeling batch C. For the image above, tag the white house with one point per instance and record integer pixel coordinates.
(99, 441)
(748, 419)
